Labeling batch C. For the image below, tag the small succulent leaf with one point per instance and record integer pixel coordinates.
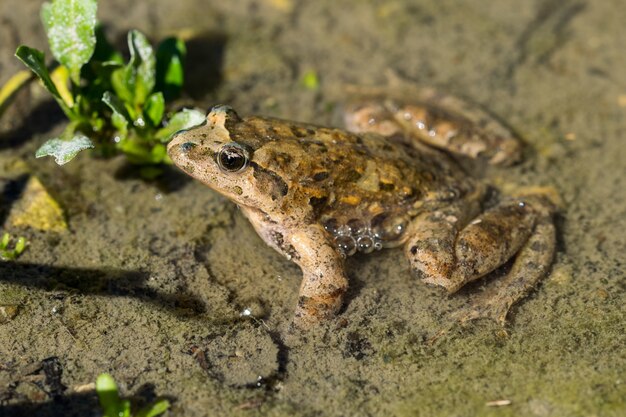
(12, 86)
(108, 395)
(64, 151)
(155, 107)
(70, 26)
(123, 84)
(184, 119)
(158, 153)
(142, 65)
(35, 60)
(125, 409)
(60, 77)
(153, 410)
(20, 246)
(116, 105)
(170, 75)
(5, 241)
(136, 152)
(135, 81)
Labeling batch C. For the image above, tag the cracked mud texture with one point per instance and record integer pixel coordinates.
(151, 281)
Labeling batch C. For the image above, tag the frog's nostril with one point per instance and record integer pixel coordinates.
(187, 146)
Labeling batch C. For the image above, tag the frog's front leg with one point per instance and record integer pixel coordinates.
(324, 281)
(449, 257)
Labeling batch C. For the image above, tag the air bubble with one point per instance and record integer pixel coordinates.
(389, 228)
(346, 245)
(356, 227)
(332, 226)
(365, 244)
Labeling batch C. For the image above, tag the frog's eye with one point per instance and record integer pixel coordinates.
(233, 157)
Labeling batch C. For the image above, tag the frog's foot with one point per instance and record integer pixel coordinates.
(320, 307)
(324, 281)
(521, 227)
(441, 121)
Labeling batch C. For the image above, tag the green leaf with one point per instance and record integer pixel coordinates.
(108, 395)
(184, 119)
(35, 60)
(20, 245)
(154, 108)
(5, 241)
(154, 410)
(64, 150)
(158, 153)
(70, 26)
(170, 75)
(142, 58)
(135, 81)
(120, 118)
(310, 81)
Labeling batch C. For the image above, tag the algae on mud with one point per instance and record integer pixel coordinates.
(152, 272)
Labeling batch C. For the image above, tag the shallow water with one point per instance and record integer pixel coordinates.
(153, 280)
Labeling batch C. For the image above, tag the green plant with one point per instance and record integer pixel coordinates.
(114, 406)
(7, 254)
(112, 106)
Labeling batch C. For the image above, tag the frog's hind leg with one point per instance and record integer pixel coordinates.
(451, 259)
(531, 264)
(441, 121)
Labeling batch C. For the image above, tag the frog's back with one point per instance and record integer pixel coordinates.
(358, 179)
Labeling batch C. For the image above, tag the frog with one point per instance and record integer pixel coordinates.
(391, 178)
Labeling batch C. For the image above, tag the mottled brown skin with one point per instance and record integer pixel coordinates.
(319, 194)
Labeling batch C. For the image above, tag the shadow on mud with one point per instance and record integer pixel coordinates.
(103, 282)
(79, 405)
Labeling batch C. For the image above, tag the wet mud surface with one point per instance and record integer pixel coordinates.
(165, 285)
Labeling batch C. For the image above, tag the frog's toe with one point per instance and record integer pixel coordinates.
(495, 311)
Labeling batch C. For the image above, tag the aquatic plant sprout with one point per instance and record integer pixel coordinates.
(113, 107)
(7, 254)
(114, 406)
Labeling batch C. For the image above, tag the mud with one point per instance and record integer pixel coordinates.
(166, 286)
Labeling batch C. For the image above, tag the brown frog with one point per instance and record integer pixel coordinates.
(319, 194)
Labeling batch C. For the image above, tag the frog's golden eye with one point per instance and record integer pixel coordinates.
(233, 157)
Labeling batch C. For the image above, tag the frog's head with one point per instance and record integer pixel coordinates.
(221, 154)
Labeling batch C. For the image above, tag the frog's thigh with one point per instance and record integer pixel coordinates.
(491, 240)
(450, 258)
(324, 280)
(531, 264)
